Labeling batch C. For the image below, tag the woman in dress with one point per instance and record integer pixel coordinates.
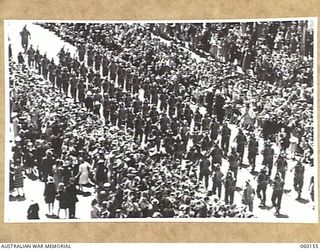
(50, 193)
(19, 180)
(83, 174)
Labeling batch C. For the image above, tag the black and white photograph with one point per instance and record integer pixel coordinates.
(161, 121)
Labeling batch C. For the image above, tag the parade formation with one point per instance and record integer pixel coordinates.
(163, 120)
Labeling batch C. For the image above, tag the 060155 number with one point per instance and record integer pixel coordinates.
(309, 245)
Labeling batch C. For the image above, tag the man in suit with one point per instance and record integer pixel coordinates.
(71, 191)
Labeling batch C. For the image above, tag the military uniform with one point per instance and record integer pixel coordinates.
(225, 138)
(230, 186)
(263, 180)
(298, 178)
(276, 198)
(253, 150)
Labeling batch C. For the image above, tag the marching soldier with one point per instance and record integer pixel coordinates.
(268, 153)
(281, 165)
(253, 151)
(263, 180)
(230, 186)
(298, 178)
(241, 140)
(25, 36)
(233, 162)
(225, 138)
(204, 171)
(276, 198)
(217, 181)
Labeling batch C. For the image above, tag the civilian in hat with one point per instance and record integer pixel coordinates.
(50, 192)
(18, 179)
(46, 165)
(62, 197)
(71, 195)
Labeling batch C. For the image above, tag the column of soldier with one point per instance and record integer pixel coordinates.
(170, 131)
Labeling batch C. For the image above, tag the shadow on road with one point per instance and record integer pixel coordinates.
(303, 201)
(284, 216)
(265, 207)
(286, 191)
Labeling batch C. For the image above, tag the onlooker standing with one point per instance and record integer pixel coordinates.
(71, 193)
(62, 197)
(19, 179)
(50, 193)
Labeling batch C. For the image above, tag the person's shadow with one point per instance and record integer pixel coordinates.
(283, 216)
(49, 216)
(286, 191)
(303, 201)
(265, 207)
